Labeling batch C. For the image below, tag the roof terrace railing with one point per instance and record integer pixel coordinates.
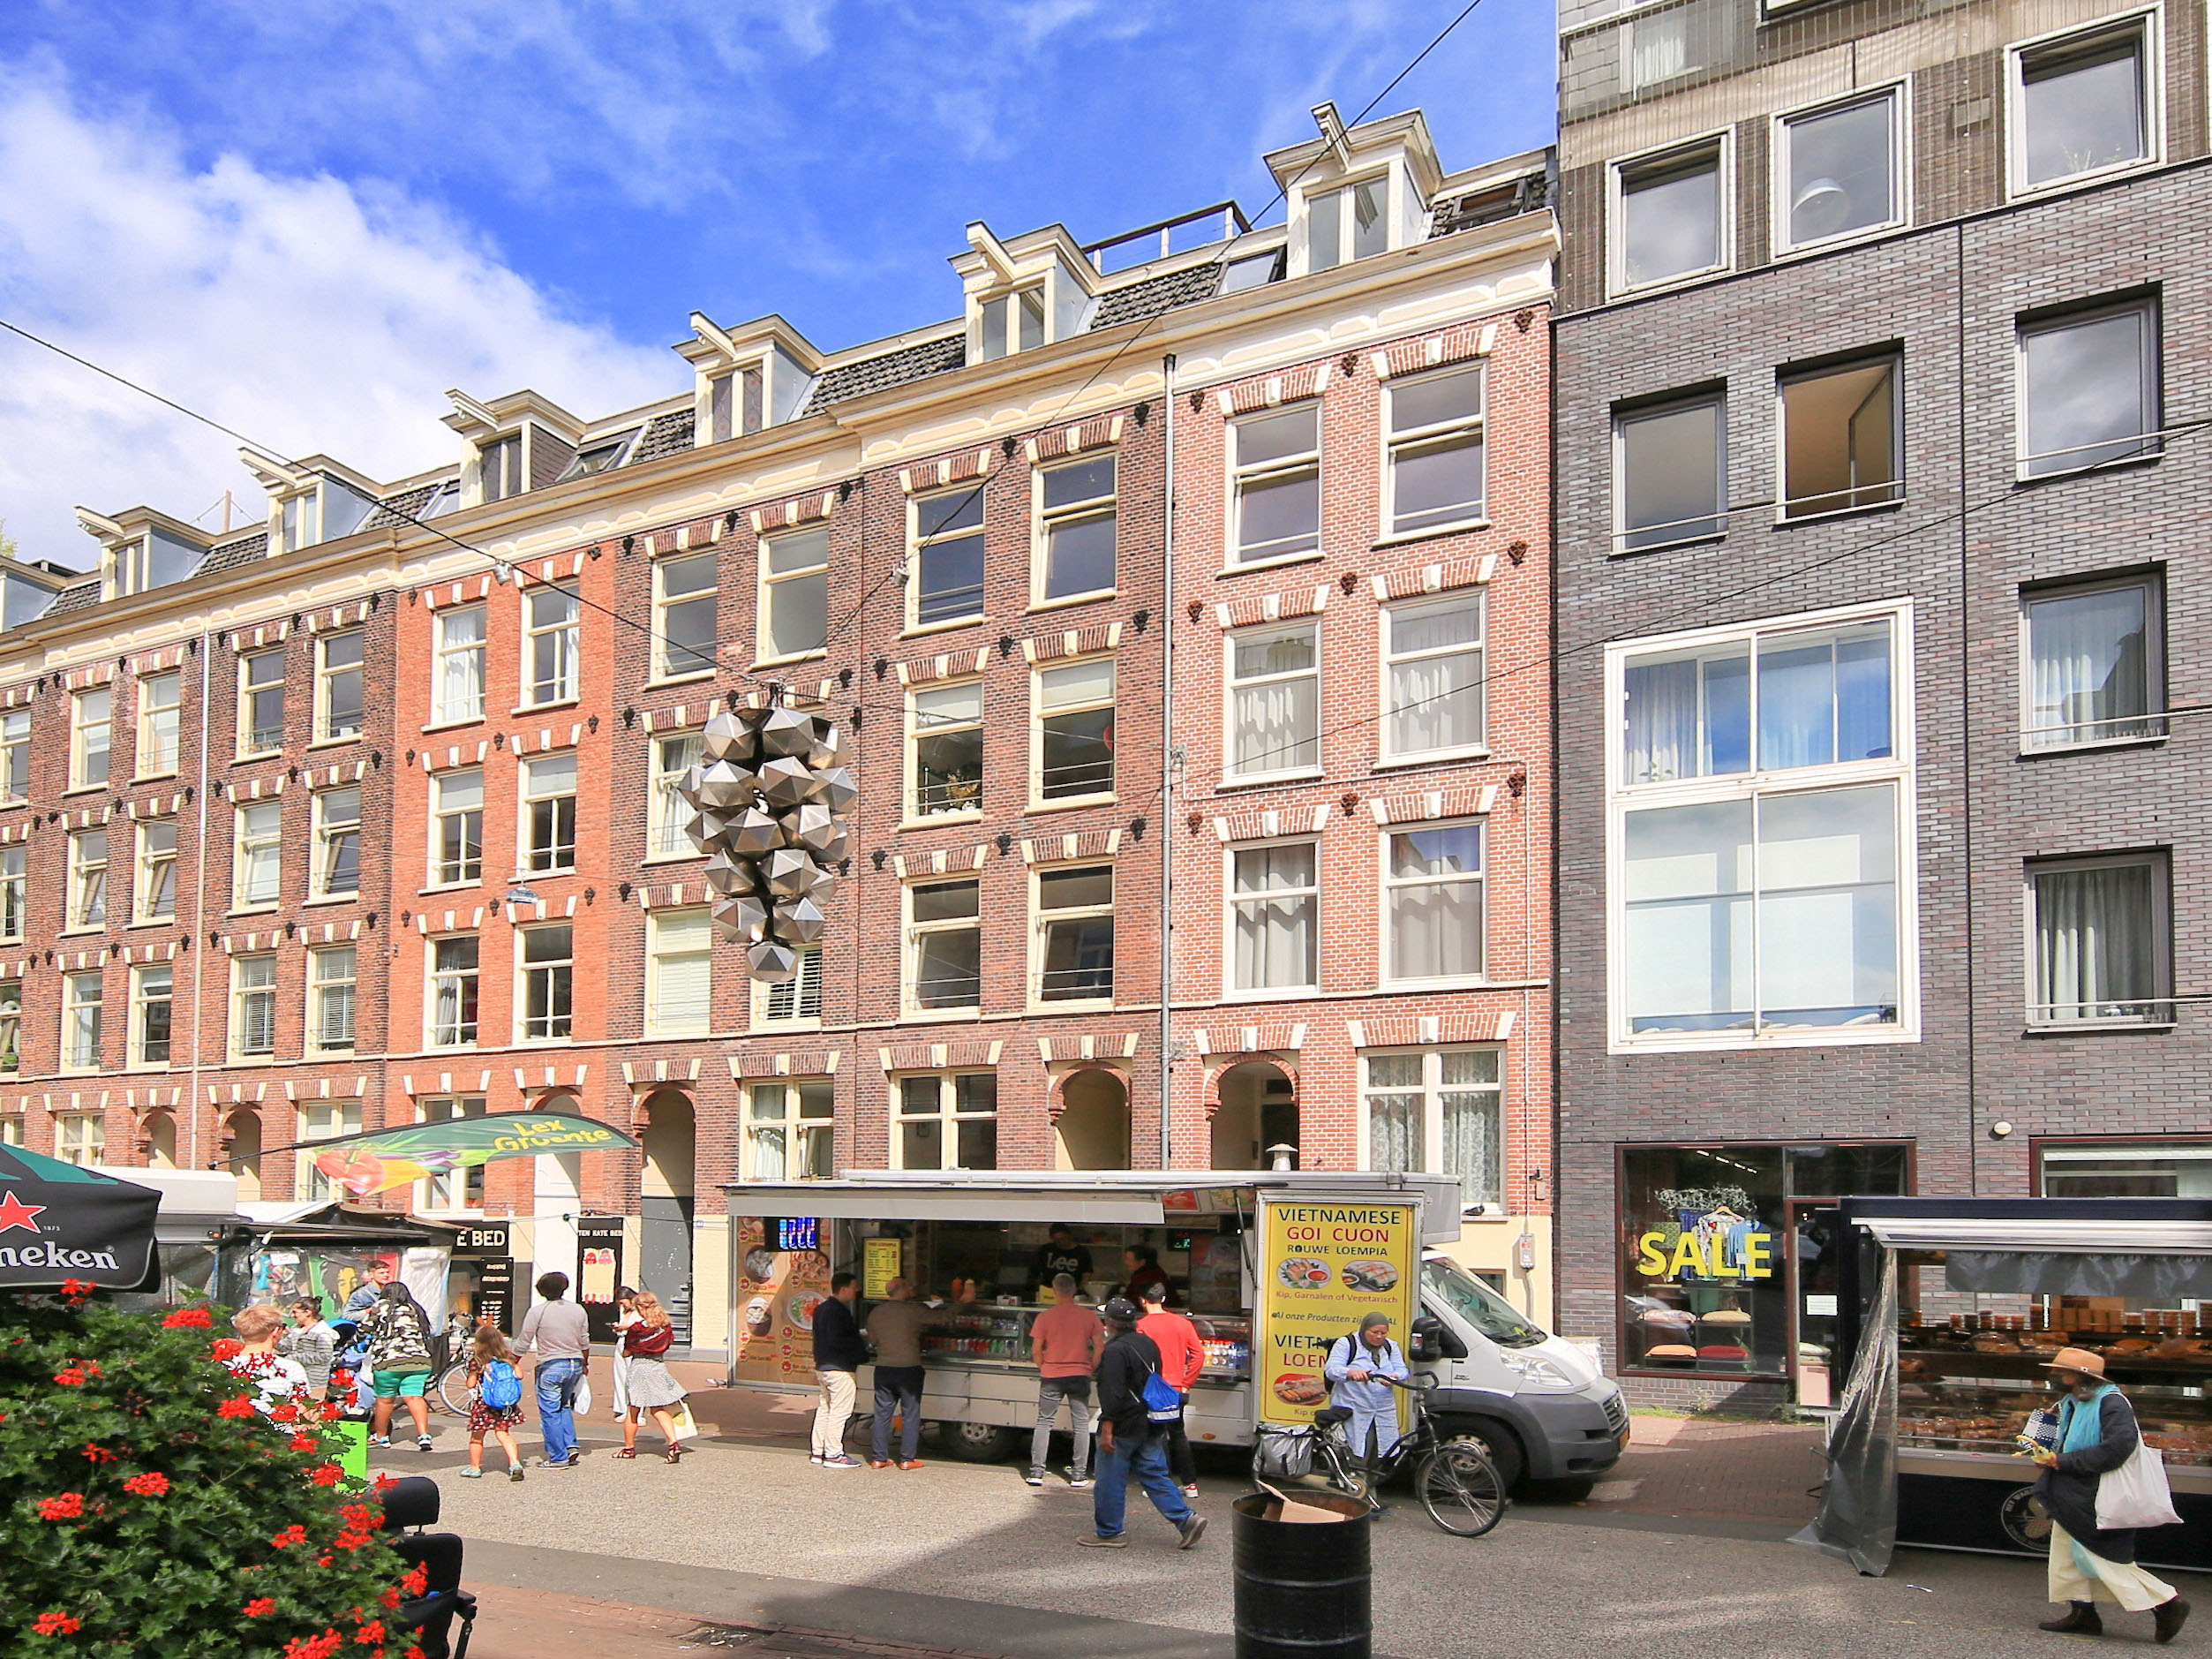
(1233, 223)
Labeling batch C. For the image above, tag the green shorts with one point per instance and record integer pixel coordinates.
(400, 1384)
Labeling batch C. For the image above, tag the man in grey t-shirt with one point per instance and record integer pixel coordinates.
(561, 1336)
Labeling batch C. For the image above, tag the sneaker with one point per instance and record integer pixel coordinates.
(1081, 1483)
(1035, 1477)
(1191, 1531)
(1191, 1491)
(911, 1463)
(1092, 1541)
(471, 1474)
(815, 1457)
(840, 1462)
(514, 1472)
(421, 1443)
(380, 1440)
(575, 1456)
(879, 1463)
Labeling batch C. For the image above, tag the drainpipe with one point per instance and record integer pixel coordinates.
(200, 913)
(1167, 761)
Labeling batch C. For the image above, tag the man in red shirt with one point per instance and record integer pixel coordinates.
(1067, 1340)
(1182, 1358)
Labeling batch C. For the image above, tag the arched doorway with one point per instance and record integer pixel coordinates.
(666, 1205)
(1092, 1131)
(1259, 1109)
(556, 1198)
(160, 1140)
(242, 1146)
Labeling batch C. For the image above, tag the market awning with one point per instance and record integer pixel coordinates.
(843, 1201)
(60, 1223)
(376, 1160)
(2068, 1235)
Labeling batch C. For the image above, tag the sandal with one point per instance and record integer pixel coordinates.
(675, 1454)
(626, 1451)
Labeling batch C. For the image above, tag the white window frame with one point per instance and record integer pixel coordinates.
(1433, 1088)
(140, 1002)
(771, 649)
(321, 985)
(450, 657)
(82, 869)
(327, 832)
(160, 739)
(2163, 1008)
(467, 1033)
(661, 954)
(1898, 93)
(1389, 656)
(461, 1191)
(1395, 443)
(1010, 308)
(327, 673)
(80, 1138)
(82, 723)
(1042, 921)
(563, 637)
(1039, 801)
(439, 813)
(1231, 991)
(528, 798)
(15, 756)
(500, 472)
(2153, 719)
(665, 670)
(2152, 310)
(803, 984)
(252, 663)
(1346, 221)
(1387, 883)
(1240, 476)
(918, 545)
(916, 811)
(149, 864)
(242, 995)
(15, 891)
(83, 1015)
(2148, 22)
(1044, 521)
(1896, 771)
(915, 933)
(1231, 686)
(552, 968)
(948, 1115)
(1720, 139)
(249, 843)
(322, 1120)
(667, 813)
(800, 1129)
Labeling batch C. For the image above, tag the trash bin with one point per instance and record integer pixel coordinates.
(1303, 1587)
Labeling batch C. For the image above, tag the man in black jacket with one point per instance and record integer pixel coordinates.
(838, 1353)
(1126, 1441)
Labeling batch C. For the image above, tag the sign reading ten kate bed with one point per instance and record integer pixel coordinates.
(1322, 1267)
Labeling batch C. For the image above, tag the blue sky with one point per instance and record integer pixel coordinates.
(310, 219)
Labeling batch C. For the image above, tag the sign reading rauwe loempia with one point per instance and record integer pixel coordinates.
(1323, 1267)
(59, 1223)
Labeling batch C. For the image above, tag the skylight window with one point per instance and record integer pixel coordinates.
(601, 455)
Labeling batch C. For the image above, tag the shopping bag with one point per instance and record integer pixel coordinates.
(2136, 1493)
(682, 1424)
(581, 1404)
(2040, 1431)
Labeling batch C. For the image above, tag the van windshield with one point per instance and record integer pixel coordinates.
(1478, 1305)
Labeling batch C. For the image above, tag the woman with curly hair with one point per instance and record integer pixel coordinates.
(652, 1389)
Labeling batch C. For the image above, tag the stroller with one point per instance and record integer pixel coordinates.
(413, 1502)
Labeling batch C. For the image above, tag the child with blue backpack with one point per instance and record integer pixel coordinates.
(495, 1401)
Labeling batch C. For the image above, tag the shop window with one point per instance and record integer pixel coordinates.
(1438, 1112)
(1672, 468)
(261, 703)
(1433, 656)
(2096, 663)
(1433, 902)
(1076, 525)
(456, 827)
(15, 891)
(551, 639)
(794, 593)
(796, 999)
(254, 1007)
(669, 812)
(318, 1120)
(2100, 932)
(1667, 216)
(90, 734)
(1274, 916)
(153, 1003)
(15, 755)
(1075, 934)
(1434, 476)
(679, 973)
(549, 814)
(333, 972)
(161, 700)
(154, 888)
(337, 842)
(88, 878)
(1075, 744)
(80, 1138)
(790, 1130)
(548, 976)
(1275, 701)
(82, 996)
(685, 593)
(460, 1189)
(338, 660)
(2125, 1169)
(458, 690)
(452, 991)
(1840, 172)
(1276, 485)
(947, 1121)
(945, 944)
(1840, 438)
(946, 726)
(946, 573)
(2082, 105)
(2089, 391)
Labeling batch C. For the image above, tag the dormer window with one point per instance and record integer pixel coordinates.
(153, 560)
(302, 523)
(501, 465)
(734, 404)
(1013, 322)
(1350, 223)
(601, 455)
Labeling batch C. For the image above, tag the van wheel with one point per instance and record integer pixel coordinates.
(974, 1443)
(1500, 1442)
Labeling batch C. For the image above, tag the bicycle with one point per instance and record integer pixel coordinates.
(1453, 1477)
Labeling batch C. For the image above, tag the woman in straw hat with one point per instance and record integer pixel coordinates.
(2096, 1434)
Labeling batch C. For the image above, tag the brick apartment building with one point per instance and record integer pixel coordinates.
(1882, 350)
(365, 817)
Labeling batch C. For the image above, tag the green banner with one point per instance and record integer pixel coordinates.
(376, 1160)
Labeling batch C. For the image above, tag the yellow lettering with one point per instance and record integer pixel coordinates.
(1688, 1257)
(1651, 1260)
(1757, 1248)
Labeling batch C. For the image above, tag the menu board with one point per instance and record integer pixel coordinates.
(1322, 1267)
(777, 1292)
(879, 1266)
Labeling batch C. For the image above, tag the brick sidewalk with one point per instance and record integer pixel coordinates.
(548, 1625)
(1717, 1469)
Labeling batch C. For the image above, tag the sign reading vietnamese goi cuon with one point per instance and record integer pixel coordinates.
(1323, 1267)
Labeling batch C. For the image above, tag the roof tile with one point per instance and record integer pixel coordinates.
(664, 434)
(892, 368)
(1157, 295)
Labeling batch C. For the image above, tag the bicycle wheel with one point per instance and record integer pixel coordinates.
(1460, 1489)
(452, 1390)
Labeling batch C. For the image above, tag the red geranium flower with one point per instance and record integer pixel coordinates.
(72, 1377)
(370, 1635)
(294, 1533)
(326, 1474)
(153, 1483)
(389, 1599)
(260, 1605)
(192, 1318)
(225, 1349)
(320, 1647)
(68, 1507)
(417, 1582)
(56, 1625)
(360, 1516)
(237, 1406)
(78, 1289)
(98, 1453)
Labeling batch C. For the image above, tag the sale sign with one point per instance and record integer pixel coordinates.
(1322, 1268)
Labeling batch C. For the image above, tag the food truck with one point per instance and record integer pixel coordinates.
(1271, 1266)
(1950, 1308)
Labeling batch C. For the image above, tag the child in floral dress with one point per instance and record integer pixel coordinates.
(486, 1348)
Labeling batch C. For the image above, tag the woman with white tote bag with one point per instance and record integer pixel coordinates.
(2099, 1485)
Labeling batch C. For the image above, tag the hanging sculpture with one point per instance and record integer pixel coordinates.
(769, 798)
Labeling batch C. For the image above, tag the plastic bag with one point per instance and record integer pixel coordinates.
(581, 1404)
(682, 1424)
(2136, 1493)
(1286, 1454)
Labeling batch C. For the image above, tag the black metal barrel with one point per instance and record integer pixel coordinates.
(1304, 1590)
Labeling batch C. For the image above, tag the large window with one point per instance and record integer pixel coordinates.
(946, 575)
(154, 886)
(15, 891)
(1841, 439)
(947, 746)
(548, 975)
(549, 814)
(81, 998)
(1433, 674)
(461, 1189)
(322, 1120)
(790, 1130)
(1671, 468)
(794, 593)
(458, 694)
(1075, 934)
(1275, 903)
(1077, 515)
(253, 1005)
(2082, 105)
(2089, 390)
(2125, 1169)
(1274, 700)
(456, 827)
(160, 697)
(259, 855)
(153, 1002)
(551, 640)
(88, 878)
(794, 999)
(2095, 668)
(1437, 1111)
(679, 973)
(338, 705)
(261, 702)
(1275, 479)
(2099, 934)
(333, 973)
(91, 734)
(452, 991)
(1669, 221)
(15, 755)
(338, 842)
(1435, 475)
(684, 624)
(668, 812)
(1075, 730)
(1840, 171)
(945, 944)
(947, 1120)
(1433, 902)
(1349, 222)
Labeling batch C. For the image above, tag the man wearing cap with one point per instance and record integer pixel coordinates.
(2096, 1434)
(1355, 1370)
(1126, 1444)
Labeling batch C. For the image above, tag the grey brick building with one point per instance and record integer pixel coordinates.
(1881, 382)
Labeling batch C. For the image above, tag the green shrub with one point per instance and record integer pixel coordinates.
(148, 1510)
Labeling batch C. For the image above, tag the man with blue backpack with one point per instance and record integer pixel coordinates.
(495, 1401)
(1134, 1399)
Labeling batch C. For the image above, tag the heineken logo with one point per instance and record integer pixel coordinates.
(45, 1253)
(15, 1213)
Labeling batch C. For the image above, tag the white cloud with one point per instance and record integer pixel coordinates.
(312, 314)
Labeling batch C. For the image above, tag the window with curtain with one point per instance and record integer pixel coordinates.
(669, 812)
(797, 998)
(1432, 676)
(1274, 700)
(552, 639)
(82, 995)
(253, 1005)
(1274, 916)
(1818, 698)
(1438, 1112)
(15, 755)
(458, 693)
(2100, 941)
(790, 1130)
(679, 1000)
(452, 991)
(2096, 664)
(1433, 902)
(15, 889)
(91, 722)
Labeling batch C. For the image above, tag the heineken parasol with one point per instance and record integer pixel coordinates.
(58, 1223)
(377, 1159)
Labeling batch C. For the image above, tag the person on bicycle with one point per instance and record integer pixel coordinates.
(1355, 1368)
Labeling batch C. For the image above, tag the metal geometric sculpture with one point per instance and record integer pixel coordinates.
(769, 800)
